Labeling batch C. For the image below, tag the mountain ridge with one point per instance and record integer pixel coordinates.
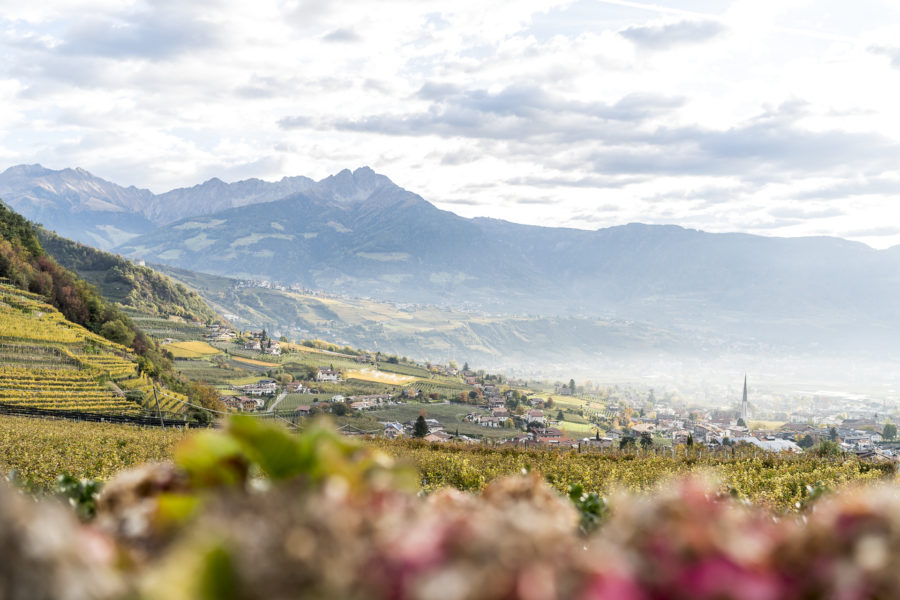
(358, 233)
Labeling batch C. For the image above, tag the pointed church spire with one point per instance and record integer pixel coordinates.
(744, 407)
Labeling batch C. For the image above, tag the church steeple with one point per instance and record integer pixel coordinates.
(744, 407)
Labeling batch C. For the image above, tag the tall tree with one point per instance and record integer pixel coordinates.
(420, 429)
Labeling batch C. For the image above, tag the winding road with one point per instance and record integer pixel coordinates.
(277, 401)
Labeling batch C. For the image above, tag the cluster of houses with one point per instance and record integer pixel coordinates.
(258, 342)
(263, 387)
(715, 428)
(217, 332)
(243, 403)
(367, 402)
(500, 415)
(250, 395)
(436, 432)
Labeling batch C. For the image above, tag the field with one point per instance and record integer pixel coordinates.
(162, 328)
(254, 362)
(774, 481)
(191, 349)
(41, 449)
(379, 377)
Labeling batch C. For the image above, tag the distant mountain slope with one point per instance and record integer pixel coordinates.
(76, 204)
(120, 280)
(216, 195)
(91, 210)
(355, 232)
(360, 234)
(431, 333)
(375, 239)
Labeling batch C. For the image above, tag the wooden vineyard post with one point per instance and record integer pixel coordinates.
(158, 410)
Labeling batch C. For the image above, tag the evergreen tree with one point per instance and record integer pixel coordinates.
(889, 432)
(626, 442)
(833, 434)
(420, 429)
(690, 440)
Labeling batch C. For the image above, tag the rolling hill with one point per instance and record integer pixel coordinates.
(121, 281)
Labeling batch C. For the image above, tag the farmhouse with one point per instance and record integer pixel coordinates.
(372, 399)
(263, 387)
(493, 422)
(393, 430)
(327, 374)
(501, 413)
(534, 416)
(250, 404)
(232, 403)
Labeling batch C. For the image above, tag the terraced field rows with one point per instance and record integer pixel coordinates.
(169, 401)
(49, 363)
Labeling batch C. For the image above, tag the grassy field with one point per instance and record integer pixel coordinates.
(379, 377)
(254, 362)
(191, 349)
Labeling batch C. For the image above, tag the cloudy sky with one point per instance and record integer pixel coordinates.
(776, 117)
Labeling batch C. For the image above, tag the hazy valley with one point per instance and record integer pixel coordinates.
(362, 261)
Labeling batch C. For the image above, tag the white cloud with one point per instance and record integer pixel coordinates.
(762, 116)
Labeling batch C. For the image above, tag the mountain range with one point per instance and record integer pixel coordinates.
(359, 234)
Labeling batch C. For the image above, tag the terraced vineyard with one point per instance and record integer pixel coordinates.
(48, 362)
(160, 328)
(170, 402)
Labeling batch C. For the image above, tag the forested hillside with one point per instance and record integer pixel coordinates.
(120, 280)
(25, 265)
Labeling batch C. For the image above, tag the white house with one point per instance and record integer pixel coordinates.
(534, 415)
(327, 374)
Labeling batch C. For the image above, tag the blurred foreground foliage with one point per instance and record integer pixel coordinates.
(254, 511)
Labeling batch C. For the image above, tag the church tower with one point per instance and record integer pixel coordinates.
(744, 407)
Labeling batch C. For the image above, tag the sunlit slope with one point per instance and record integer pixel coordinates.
(50, 363)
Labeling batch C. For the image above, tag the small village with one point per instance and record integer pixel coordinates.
(495, 410)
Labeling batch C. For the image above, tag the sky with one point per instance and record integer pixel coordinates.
(773, 117)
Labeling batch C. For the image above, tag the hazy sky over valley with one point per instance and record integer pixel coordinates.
(775, 117)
